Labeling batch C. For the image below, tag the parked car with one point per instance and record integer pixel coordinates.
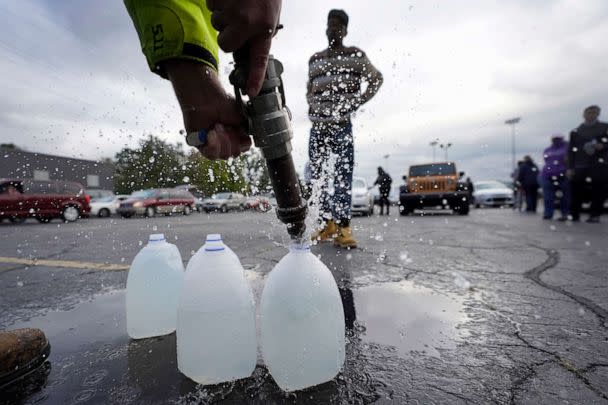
(157, 201)
(363, 200)
(198, 195)
(393, 196)
(492, 194)
(96, 194)
(271, 198)
(436, 185)
(106, 206)
(224, 202)
(258, 203)
(43, 200)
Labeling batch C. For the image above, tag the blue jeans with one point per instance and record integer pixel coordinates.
(325, 140)
(550, 186)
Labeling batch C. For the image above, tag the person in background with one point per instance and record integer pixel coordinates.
(470, 188)
(384, 181)
(340, 79)
(587, 164)
(528, 178)
(553, 177)
(518, 192)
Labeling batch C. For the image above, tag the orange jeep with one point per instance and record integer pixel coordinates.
(434, 185)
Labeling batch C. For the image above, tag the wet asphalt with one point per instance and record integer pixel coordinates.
(496, 307)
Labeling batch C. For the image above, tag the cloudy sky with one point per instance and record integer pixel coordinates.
(75, 82)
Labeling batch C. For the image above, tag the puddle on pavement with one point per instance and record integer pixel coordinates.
(408, 317)
(93, 360)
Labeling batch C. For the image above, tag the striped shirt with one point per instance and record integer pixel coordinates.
(335, 85)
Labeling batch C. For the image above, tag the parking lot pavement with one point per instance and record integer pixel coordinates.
(494, 307)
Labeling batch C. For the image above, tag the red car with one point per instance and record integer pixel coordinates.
(43, 200)
(157, 201)
(257, 203)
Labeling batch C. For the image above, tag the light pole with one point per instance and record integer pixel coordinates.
(386, 161)
(434, 146)
(446, 147)
(513, 122)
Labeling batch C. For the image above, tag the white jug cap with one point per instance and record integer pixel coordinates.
(214, 237)
(157, 237)
(305, 247)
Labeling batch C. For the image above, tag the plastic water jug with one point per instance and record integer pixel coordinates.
(302, 322)
(153, 286)
(216, 337)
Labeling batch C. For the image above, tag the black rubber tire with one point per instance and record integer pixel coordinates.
(187, 210)
(17, 220)
(150, 212)
(104, 213)
(43, 220)
(462, 210)
(223, 209)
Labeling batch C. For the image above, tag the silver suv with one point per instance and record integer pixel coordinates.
(224, 202)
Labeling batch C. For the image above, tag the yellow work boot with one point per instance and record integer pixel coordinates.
(328, 232)
(345, 238)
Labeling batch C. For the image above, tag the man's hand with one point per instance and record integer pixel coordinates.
(205, 105)
(250, 23)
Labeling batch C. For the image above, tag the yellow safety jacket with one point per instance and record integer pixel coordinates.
(171, 29)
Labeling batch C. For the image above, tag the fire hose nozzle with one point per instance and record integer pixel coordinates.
(269, 123)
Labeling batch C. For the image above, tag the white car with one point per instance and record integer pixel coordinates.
(363, 200)
(106, 206)
(492, 194)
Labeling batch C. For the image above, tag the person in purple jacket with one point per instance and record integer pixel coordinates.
(554, 177)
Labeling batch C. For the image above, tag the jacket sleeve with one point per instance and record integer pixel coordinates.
(570, 154)
(170, 29)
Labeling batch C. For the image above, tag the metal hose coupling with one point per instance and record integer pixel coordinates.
(269, 123)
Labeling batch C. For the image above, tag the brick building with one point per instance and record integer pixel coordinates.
(20, 164)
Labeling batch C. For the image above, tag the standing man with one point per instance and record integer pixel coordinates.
(588, 164)
(384, 181)
(518, 192)
(528, 178)
(470, 189)
(334, 92)
(554, 177)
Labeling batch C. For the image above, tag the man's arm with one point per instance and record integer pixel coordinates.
(179, 40)
(571, 152)
(174, 29)
(372, 76)
(309, 83)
